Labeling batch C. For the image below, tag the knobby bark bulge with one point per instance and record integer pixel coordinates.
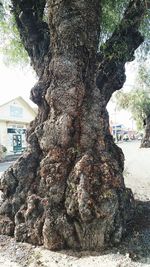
(67, 190)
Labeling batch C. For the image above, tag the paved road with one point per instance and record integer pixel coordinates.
(137, 169)
(4, 166)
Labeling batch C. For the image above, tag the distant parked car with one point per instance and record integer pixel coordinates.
(139, 136)
(125, 137)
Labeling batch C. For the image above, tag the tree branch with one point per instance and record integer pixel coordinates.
(33, 30)
(119, 49)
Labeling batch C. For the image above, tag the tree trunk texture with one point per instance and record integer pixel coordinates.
(146, 140)
(67, 190)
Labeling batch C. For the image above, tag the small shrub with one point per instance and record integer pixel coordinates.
(3, 150)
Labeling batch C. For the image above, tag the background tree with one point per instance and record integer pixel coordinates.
(112, 12)
(11, 46)
(67, 189)
(138, 102)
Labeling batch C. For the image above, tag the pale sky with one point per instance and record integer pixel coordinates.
(124, 116)
(16, 82)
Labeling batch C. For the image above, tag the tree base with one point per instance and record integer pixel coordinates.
(74, 220)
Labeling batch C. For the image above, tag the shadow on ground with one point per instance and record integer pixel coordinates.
(136, 244)
(137, 241)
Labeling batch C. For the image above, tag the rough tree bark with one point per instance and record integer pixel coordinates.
(146, 139)
(67, 189)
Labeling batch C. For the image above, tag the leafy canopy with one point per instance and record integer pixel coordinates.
(112, 11)
(11, 46)
(137, 100)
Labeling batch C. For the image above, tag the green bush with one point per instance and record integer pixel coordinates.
(3, 150)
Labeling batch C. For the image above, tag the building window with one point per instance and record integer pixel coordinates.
(16, 112)
(16, 131)
(10, 130)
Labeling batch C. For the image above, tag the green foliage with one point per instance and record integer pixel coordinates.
(10, 44)
(138, 99)
(3, 151)
(143, 52)
(143, 75)
(112, 12)
(1, 10)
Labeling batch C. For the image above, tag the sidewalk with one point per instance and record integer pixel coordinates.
(10, 158)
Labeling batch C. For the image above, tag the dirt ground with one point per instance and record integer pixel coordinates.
(134, 250)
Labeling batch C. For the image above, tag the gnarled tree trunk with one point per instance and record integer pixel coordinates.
(146, 139)
(67, 189)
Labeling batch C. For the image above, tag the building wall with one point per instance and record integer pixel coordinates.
(14, 131)
(8, 133)
(15, 117)
(3, 133)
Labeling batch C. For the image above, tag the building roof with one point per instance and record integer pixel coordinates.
(20, 99)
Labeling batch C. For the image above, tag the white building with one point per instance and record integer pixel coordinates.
(15, 116)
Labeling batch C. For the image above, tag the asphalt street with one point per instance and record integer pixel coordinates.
(4, 166)
(137, 169)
